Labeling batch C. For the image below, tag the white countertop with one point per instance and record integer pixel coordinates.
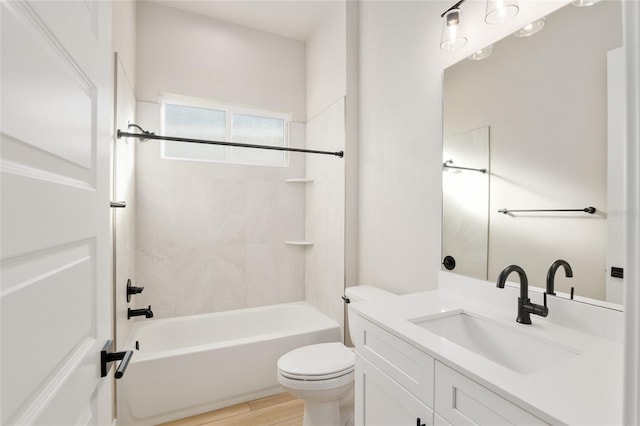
(585, 389)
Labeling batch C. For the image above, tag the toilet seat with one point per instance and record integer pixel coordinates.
(314, 386)
(323, 361)
(316, 377)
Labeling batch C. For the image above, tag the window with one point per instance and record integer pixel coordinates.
(199, 119)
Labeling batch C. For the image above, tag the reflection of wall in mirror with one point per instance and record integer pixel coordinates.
(548, 142)
(615, 172)
(465, 202)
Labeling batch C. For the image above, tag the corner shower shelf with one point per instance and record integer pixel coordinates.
(299, 180)
(299, 243)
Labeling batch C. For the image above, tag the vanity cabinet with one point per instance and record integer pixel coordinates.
(381, 401)
(461, 401)
(398, 385)
(405, 364)
(394, 380)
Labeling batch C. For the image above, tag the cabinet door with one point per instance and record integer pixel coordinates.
(439, 421)
(405, 364)
(380, 401)
(461, 401)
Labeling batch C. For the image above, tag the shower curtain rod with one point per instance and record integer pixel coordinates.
(149, 135)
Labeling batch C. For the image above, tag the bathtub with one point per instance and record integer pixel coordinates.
(191, 365)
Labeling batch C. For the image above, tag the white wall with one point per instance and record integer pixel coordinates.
(548, 142)
(352, 154)
(327, 61)
(210, 236)
(400, 145)
(124, 36)
(325, 197)
(193, 55)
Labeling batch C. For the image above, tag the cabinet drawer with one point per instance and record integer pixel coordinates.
(461, 401)
(404, 363)
(380, 401)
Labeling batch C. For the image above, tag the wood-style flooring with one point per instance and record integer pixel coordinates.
(281, 410)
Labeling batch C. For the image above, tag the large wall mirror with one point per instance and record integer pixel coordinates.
(534, 126)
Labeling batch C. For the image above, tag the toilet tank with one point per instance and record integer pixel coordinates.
(362, 293)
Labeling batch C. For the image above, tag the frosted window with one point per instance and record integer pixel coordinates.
(230, 124)
(197, 123)
(258, 131)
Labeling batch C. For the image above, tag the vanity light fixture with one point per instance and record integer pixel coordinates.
(453, 33)
(500, 11)
(485, 52)
(531, 28)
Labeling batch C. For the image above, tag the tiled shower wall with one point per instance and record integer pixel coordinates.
(210, 236)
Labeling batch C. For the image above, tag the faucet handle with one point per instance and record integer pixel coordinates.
(131, 290)
(540, 310)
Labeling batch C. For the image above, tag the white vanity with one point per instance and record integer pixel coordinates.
(442, 358)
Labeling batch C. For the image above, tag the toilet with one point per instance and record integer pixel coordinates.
(322, 375)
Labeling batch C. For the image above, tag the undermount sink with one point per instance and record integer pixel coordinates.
(499, 343)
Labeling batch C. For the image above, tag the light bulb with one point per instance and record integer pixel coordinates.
(530, 28)
(453, 34)
(500, 11)
(584, 3)
(485, 52)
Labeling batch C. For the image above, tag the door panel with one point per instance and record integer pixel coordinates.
(55, 297)
(27, 359)
(48, 105)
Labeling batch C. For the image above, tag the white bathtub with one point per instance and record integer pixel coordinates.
(190, 365)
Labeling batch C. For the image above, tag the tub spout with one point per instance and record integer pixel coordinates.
(147, 312)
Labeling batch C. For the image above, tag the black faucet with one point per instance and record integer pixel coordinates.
(147, 312)
(525, 307)
(551, 274)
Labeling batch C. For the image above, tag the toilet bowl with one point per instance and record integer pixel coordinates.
(322, 375)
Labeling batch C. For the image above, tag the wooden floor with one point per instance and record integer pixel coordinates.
(281, 410)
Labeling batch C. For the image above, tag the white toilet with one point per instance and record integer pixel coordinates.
(322, 375)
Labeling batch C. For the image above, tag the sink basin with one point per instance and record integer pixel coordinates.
(499, 343)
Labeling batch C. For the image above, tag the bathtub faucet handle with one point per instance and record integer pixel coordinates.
(131, 290)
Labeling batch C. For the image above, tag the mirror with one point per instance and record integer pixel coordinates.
(544, 105)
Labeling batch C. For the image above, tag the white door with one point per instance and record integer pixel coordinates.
(55, 294)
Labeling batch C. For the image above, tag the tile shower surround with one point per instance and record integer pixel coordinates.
(210, 236)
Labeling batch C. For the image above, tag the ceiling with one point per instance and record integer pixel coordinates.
(294, 19)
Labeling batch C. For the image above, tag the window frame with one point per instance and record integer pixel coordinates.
(230, 110)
